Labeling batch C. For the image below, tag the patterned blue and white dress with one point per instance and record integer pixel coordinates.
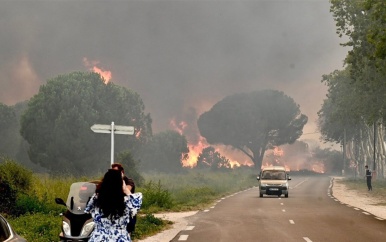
(107, 230)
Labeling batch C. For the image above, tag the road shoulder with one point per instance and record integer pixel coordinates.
(359, 199)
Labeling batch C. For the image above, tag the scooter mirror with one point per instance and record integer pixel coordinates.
(60, 201)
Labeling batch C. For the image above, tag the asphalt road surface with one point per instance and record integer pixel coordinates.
(309, 214)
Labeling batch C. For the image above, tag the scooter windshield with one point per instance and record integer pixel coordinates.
(79, 195)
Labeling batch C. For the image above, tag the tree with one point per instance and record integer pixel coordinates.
(363, 22)
(341, 110)
(331, 159)
(253, 122)
(210, 158)
(376, 34)
(9, 128)
(165, 152)
(57, 122)
(131, 167)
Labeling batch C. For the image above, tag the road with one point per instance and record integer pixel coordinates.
(309, 214)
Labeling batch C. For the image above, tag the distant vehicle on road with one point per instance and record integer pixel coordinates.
(7, 234)
(273, 180)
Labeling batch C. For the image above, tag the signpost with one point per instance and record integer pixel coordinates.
(113, 129)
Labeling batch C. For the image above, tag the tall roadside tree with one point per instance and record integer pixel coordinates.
(340, 112)
(253, 122)
(363, 22)
(57, 122)
(360, 105)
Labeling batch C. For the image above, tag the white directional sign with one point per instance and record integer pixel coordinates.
(113, 129)
(118, 129)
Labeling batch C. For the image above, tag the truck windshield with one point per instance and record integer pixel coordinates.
(273, 175)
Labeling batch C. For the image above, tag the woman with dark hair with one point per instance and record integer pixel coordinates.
(131, 186)
(112, 208)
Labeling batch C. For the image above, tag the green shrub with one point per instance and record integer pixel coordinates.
(148, 225)
(30, 204)
(14, 180)
(7, 198)
(38, 227)
(192, 196)
(18, 177)
(155, 197)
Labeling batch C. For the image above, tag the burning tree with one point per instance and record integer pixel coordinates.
(57, 122)
(253, 122)
(210, 158)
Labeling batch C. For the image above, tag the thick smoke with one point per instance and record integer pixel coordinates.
(180, 56)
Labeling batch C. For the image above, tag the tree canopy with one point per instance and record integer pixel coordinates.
(364, 23)
(9, 125)
(165, 152)
(209, 158)
(253, 122)
(57, 122)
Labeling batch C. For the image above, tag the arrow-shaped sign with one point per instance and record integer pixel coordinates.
(116, 129)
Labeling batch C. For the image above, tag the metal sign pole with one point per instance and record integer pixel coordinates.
(112, 143)
(113, 129)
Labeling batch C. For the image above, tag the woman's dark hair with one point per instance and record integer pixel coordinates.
(118, 166)
(110, 194)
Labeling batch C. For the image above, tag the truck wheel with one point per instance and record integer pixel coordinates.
(261, 194)
(286, 195)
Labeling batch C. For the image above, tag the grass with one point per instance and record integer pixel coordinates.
(360, 185)
(39, 219)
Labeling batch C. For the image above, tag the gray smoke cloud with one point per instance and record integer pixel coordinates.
(180, 56)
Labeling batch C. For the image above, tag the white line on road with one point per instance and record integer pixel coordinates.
(356, 208)
(183, 237)
(307, 239)
(298, 184)
(379, 218)
(281, 203)
(366, 213)
(291, 222)
(189, 228)
(283, 210)
(206, 210)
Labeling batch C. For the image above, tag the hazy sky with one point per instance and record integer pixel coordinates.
(180, 56)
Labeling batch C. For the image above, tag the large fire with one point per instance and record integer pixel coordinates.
(197, 144)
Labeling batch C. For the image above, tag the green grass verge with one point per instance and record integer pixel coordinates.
(360, 185)
(39, 219)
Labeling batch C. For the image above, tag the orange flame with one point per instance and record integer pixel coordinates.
(106, 75)
(92, 65)
(195, 148)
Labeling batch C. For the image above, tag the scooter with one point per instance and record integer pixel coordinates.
(77, 225)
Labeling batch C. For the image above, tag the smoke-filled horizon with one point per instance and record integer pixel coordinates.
(181, 57)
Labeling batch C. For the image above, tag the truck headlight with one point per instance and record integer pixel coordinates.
(66, 228)
(87, 229)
